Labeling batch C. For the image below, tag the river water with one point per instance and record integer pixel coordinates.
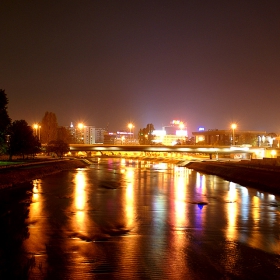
(134, 219)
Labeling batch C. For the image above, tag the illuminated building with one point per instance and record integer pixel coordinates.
(175, 133)
(86, 134)
(224, 137)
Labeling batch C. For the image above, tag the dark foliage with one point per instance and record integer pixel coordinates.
(145, 135)
(58, 147)
(21, 140)
(4, 121)
(49, 128)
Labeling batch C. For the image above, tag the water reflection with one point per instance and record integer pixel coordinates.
(129, 197)
(180, 197)
(80, 201)
(232, 212)
(35, 223)
(15, 262)
(150, 221)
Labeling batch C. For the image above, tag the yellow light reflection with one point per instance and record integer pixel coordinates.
(231, 251)
(123, 161)
(37, 226)
(129, 197)
(179, 219)
(256, 210)
(179, 196)
(79, 190)
(80, 200)
(232, 212)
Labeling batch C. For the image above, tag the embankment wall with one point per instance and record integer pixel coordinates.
(263, 179)
(10, 177)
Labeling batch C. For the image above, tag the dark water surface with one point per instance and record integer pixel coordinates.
(129, 219)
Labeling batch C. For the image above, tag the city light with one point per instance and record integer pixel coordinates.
(233, 126)
(37, 129)
(130, 126)
(80, 125)
(273, 153)
(181, 125)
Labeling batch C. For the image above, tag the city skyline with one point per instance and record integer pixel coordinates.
(111, 63)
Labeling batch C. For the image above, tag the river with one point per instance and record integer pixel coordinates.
(135, 219)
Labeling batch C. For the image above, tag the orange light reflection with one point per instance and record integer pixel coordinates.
(129, 196)
(80, 200)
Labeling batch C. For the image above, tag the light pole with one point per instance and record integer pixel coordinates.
(130, 126)
(233, 126)
(35, 126)
(39, 128)
(181, 125)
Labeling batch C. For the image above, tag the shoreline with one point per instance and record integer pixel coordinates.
(16, 175)
(263, 179)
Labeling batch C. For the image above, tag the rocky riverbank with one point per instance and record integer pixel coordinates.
(265, 179)
(16, 175)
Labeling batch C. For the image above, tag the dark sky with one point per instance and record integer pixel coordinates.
(208, 63)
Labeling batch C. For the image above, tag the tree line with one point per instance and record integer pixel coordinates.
(17, 138)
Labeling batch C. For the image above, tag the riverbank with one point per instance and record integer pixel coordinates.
(264, 179)
(23, 173)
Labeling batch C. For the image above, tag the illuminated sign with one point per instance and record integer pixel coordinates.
(201, 129)
(176, 122)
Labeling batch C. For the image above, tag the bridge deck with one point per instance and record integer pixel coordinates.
(157, 148)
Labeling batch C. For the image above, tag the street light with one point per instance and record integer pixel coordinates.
(233, 126)
(37, 128)
(181, 125)
(130, 126)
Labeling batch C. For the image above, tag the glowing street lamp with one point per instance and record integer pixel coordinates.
(181, 125)
(233, 126)
(130, 126)
(80, 125)
(37, 128)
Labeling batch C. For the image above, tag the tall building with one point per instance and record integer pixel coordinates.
(89, 134)
(93, 135)
(229, 137)
(99, 135)
(86, 134)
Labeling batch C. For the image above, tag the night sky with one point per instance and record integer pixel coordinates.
(106, 63)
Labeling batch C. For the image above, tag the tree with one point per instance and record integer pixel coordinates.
(64, 134)
(49, 128)
(5, 121)
(22, 141)
(58, 146)
(145, 135)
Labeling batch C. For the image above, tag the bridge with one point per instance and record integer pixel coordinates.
(182, 149)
